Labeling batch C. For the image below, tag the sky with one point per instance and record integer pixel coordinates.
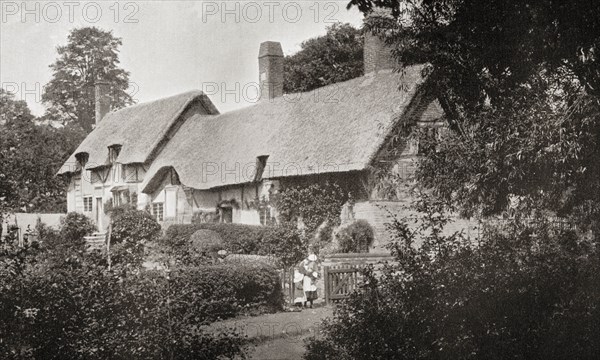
(169, 47)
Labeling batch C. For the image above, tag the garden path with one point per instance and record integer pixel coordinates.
(277, 336)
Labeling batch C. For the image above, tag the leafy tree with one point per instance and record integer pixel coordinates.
(524, 291)
(91, 55)
(13, 110)
(334, 57)
(31, 155)
(520, 86)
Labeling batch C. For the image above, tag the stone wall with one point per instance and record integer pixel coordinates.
(379, 213)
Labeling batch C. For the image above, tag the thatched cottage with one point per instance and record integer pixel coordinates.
(179, 156)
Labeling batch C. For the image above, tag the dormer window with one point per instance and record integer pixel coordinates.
(82, 158)
(261, 164)
(113, 153)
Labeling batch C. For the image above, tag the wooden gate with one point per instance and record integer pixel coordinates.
(340, 281)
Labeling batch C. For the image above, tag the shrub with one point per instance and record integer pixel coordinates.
(243, 239)
(523, 292)
(315, 204)
(224, 290)
(46, 234)
(206, 241)
(79, 310)
(131, 230)
(284, 242)
(200, 217)
(355, 237)
(134, 227)
(74, 227)
(84, 312)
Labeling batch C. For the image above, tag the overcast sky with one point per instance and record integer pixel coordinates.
(169, 47)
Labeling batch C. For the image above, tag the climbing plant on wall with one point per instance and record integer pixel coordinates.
(314, 204)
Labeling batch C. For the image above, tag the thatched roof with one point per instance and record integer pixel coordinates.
(138, 129)
(337, 128)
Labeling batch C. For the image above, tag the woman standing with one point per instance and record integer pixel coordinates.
(311, 274)
(299, 296)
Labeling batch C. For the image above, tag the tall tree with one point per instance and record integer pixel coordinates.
(31, 155)
(334, 57)
(91, 55)
(520, 85)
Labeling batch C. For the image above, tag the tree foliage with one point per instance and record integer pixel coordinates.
(59, 302)
(520, 86)
(91, 55)
(328, 59)
(314, 204)
(526, 290)
(31, 155)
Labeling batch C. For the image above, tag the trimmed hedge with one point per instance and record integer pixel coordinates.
(243, 239)
(284, 242)
(225, 290)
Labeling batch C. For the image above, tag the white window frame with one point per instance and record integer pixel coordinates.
(158, 210)
(88, 207)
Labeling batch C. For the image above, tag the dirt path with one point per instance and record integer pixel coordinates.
(284, 348)
(277, 336)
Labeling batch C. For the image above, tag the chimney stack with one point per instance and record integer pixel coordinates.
(270, 69)
(102, 100)
(377, 55)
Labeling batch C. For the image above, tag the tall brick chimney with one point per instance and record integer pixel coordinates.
(377, 55)
(102, 100)
(270, 69)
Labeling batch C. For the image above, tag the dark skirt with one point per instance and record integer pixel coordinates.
(311, 295)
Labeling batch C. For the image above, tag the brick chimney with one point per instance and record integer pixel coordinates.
(102, 100)
(377, 55)
(270, 69)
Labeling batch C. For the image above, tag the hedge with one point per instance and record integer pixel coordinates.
(242, 239)
(82, 311)
(282, 241)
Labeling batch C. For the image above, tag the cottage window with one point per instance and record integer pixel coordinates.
(87, 204)
(261, 164)
(158, 211)
(226, 215)
(175, 178)
(428, 141)
(82, 158)
(113, 153)
(265, 215)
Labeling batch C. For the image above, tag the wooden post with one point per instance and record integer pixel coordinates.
(291, 289)
(108, 246)
(326, 283)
